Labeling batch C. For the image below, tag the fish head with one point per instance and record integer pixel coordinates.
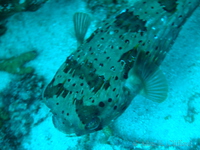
(89, 110)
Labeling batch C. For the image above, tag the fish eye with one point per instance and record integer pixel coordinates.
(93, 124)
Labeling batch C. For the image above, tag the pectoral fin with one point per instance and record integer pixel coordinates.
(155, 87)
(153, 82)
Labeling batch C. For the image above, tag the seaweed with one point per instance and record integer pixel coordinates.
(10, 7)
(15, 65)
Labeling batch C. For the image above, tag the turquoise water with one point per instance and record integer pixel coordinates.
(26, 122)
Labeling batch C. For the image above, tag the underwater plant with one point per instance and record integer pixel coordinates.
(10, 7)
(15, 65)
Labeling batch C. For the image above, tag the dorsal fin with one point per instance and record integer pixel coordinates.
(81, 24)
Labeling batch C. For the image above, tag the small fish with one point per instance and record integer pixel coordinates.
(117, 62)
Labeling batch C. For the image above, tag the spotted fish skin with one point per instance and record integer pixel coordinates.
(95, 84)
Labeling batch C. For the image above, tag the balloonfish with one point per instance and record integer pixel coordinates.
(120, 60)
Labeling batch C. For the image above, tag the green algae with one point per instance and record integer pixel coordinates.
(2, 29)
(3, 116)
(10, 7)
(167, 117)
(15, 65)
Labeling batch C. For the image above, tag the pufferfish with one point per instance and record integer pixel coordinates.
(120, 60)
